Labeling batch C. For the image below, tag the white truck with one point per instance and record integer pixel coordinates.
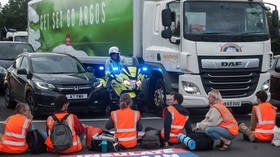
(190, 46)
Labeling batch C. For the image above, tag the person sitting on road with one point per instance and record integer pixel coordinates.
(126, 123)
(72, 121)
(219, 122)
(175, 118)
(262, 121)
(16, 127)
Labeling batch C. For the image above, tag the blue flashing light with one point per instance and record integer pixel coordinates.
(144, 69)
(101, 68)
(115, 68)
(158, 69)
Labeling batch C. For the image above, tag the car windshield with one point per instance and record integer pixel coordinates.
(56, 64)
(21, 38)
(231, 18)
(9, 51)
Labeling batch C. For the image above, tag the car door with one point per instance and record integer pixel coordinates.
(13, 78)
(22, 79)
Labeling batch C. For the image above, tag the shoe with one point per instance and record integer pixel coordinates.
(225, 147)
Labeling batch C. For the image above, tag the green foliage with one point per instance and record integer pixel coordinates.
(14, 14)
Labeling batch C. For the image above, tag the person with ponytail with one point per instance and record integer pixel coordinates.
(126, 122)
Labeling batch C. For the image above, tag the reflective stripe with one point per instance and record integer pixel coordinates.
(267, 122)
(69, 118)
(259, 115)
(77, 142)
(127, 139)
(50, 119)
(230, 125)
(263, 131)
(126, 130)
(24, 126)
(13, 143)
(15, 135)
(177, 126)
(135, 119)
(172, 114)
(173, 135)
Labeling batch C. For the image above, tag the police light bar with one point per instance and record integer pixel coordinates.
(115, 68)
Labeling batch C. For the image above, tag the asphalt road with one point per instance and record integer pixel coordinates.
(239, 147)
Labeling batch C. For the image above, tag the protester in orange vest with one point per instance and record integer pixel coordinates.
(262, 120)
(126, 123)
(219, 123)
(175, 118)
(72, 121)
(16, 126)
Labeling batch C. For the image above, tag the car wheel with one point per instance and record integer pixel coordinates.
(31, 102)
(159, 94)
(9, 103)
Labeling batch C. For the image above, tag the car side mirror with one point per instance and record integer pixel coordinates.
(22, 71)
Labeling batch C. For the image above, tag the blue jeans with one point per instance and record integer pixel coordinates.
(217, 132)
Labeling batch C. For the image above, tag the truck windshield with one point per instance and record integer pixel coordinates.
(21, 38)
(225, 21)
(9, 51)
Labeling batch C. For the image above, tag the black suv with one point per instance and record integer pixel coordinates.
(37, 78)
(8, 52)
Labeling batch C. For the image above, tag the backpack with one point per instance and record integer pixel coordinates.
(151, 140)
(61, 135)
(203, 141)
(36, 142)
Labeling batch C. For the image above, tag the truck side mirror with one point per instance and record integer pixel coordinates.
(275, 19)
(166, 17)
(167, 33)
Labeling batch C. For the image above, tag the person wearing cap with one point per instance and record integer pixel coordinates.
(113, 63)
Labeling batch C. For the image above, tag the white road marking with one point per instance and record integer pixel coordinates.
(94, 120)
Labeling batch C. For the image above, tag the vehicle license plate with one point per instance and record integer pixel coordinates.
(232, 104)
(76, 96)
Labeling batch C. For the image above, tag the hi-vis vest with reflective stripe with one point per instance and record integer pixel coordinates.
(177, 126)
(77, 145)
(229, 121)
(125, 122)
(265, 113)
(14, 137)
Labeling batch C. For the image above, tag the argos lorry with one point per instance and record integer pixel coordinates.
(190, 46)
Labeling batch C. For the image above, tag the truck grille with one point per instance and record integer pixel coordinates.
(231, 84)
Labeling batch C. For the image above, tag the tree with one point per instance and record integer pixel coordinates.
(14, 15)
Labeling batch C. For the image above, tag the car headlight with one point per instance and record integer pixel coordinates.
(45, 86)
(97, 84)
(190, 88)
(3, 70)
(265, 85)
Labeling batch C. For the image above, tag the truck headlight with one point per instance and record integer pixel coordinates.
(44, 85)
(266, 85)
(190, 88)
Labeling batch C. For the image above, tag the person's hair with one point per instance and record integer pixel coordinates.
(178, 97)
(125, 101)
(215, 94)
(21, 108)
(59, 102)
(261, 95)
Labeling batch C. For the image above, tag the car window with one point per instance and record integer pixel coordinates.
(16, 64)
(24, 64)
(56, 64)
(9, 51)
(277, 66)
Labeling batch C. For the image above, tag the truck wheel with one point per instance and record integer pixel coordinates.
(31, 102)
(9, 103)
(159, 93)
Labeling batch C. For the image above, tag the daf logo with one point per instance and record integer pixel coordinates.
(76, 88)
(231, 64)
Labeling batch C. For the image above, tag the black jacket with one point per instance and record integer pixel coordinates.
(168, 120)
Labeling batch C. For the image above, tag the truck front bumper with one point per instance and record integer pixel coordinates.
(201, 100)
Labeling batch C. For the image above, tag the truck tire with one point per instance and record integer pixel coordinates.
(9, 102)
(158, 94)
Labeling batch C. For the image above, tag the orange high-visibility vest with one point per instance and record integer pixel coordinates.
(265, 113)
(77, 145)
(14, 137)
(229, 121)
(177, 126)
(125, 122)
